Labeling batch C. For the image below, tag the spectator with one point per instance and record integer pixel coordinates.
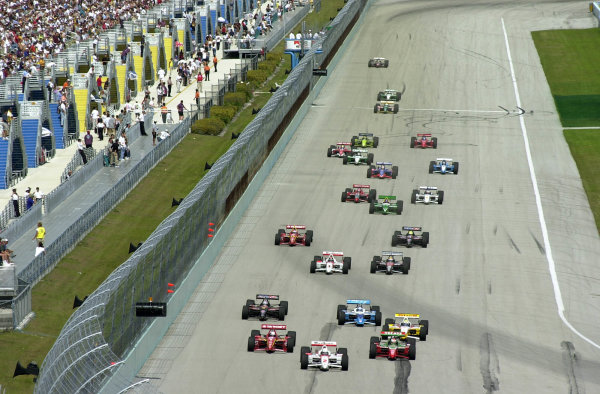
(4, 247)
(178, 82)
(180, 109)
(169, 86)
(206, 71)
(114, 152)
(215, 62)
(197, 97)
(154, 133)
(122, 146)
(40, 233)
(163, 112)
(88, 139)
(40, 249)
(199, 81)
(100, 129)
(163, 135)
(81, 150)
(30, 200)
(15, 200)
(5, 258)
(141, 121)
(38, 195)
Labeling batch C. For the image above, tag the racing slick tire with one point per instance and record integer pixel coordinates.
(372, 208)
(396, 108)
(281, 314)
(245, 312)
(456, 168)
(249, 302)
(395, 238)
(372, 350)
(291, 342)
(370, 158)
(434, 142)
(412, 350)
(394, 172)
(341, 318)
(304, 350)
(386, 63)
(412, 141)
(370, 63)
(344, 362)
(345, 268)
(373, 340)
(399, 207)
(425, 328)
(309, 235)
(372, 195)
(375, 308)
(375, 142)
(349, 261)
(405, 265)
(341, 308)
(344, 196)
(373, 266)
(250, 344)
(254, 333)
(440, 200)
(307, 240)
(431, 163)
(304, 359)
(413, 197)
(345, 160)
(370, 171)
(343, 350)
(377, 318)
(375, 108)
(425, 241)
(329, 152)
(284, 305)
(387, 323)
(377, 258)
(313, 267)
(278, 236)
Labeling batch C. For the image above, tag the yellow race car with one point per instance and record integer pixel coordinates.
(409, 326)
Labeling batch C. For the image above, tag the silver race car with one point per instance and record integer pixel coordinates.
(329, 264)
(427, 195)
(319, 355)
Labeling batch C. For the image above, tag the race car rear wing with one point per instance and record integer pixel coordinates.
(384, 163)
(358, 302)
(365, 134)
(385, 253)
(326, 253)
(423, 135)
(428, 188)
(361, 186)
(387, 197)
(343, 143)
(273, 327)
(410, 315)
(323, 343)
(409, 228)
(267, 297)
(391, 334)
(359, 150)
(443, 159)
(296, 227)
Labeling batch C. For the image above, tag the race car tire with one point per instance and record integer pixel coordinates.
(370, 158)
(377, 318)
(343, 350)
(386, 63)
(251, 344)
(309, 235)
(353, 140)
(291, 342)
(344, 196)
(341, 308)
(317, 258)
(303, 351)
(395, 238)
(370, 63)
(344, 362)
(387, 323)
(313, 267)
(307, 241)
(431, 163)
(375, 142)
(425, 241)
(281, 314)
(405, 265)
(396, 108)
(277, 239)
(341, 318)
(456, 168)
(394, 172)
(349, 261)
(245, 312)
(413, 197)
(284, 305)
(372, 208)
(369, 170)
(303, 360)
(412, 141)
(373, 340)
(425, 328)
(375, 308)
(372, 195)
(399, 207)
(254, 333)
(345, 268)
(375, 108)
(345, 160)
(440, 197)
(249, 302)
(372, 350)
(434, 142)
(329, 152)
(373, 266)
(422, 336)
(412, 350)
(377, 258)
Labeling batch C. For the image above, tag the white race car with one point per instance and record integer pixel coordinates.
(319, 356)
(427, 195)
(329, 264)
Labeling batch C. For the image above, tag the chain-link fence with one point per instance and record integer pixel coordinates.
(104, 329)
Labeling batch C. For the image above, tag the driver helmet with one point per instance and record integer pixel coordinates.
(423, 137)
(390, 258)
(385, 200)
(324, 350)
(265, 302)
(272, 334)
(410, 232)
(360, 309)
(393, 340)
(405, 323)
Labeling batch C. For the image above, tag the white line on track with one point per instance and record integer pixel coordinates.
(582, 128)
(482, 111)
(538, 202)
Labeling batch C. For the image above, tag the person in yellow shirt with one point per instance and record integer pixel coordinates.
(40, 233)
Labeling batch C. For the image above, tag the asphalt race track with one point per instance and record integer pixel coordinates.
(484, 283)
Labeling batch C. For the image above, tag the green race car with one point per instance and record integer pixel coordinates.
(386, 205)
(386, 107)
(389, 95)
(365, 140)
(358, 156)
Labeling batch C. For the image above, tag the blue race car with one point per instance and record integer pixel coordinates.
(443, 166)
(359, 315)
(383, 170)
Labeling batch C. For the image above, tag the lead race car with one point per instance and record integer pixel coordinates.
(386, 205)
(272, 342)
(390, 263)
(386, 107)
(427, 195)
(411, 325)
(341, 149)
(329, 264)
(359, 193)
(358, 157)
(423, 141)
(393, 346)
(443, 166)
(364, 140)
(389, 95)
(265, 309)
(383, 170)
(319, 356)
(294, 237)
(410, 236)
(359, 316)
(379, 62)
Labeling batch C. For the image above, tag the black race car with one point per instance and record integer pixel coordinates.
(265, 309)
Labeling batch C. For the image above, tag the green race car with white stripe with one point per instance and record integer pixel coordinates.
(386, 205)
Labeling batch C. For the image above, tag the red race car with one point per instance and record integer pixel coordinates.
(393, 346)
(359, 193)
(272, 342)
(423, 141)
(294, 237)
(341, 149)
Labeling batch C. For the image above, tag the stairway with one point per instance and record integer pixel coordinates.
(71, 122)
(17, 156)
(30, 129)
(59, 132)
(3, 163)
(139, 68)
(154, 56)
(81, 100)
(120, 69)
(168, 49)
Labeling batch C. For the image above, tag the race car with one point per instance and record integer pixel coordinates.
(272, 342)
(265, 309)
(390, 263)
(359, 193)
(341, 149)
(389, 95)
(359, 315)
(329, 264)
(294, 237)
(427, 195)
(386, 107)
(386, 205)
(364, 140)
(393, 346)
(410, 326)
(410, 236)
(358, 156)
(382, 170)
(423, 141)
(319, 356)
(379, 62)
(443, 166)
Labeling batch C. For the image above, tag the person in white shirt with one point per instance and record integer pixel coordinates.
(163, 135)
(40, 249)
(95, 115)
(38, 194)
(161, 75)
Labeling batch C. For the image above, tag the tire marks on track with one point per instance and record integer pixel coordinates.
(570, 360)
(403, 368)
(488, 363)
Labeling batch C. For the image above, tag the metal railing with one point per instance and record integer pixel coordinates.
(104, 329)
